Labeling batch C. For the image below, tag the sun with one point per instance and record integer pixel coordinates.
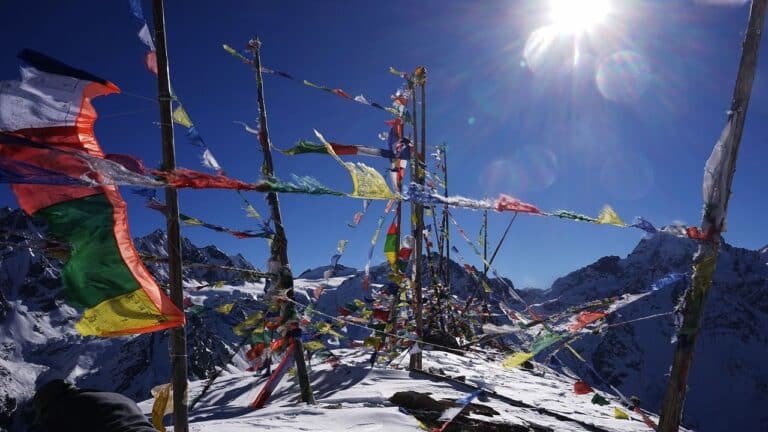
(577, 16)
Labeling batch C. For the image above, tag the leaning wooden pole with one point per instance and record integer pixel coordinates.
(178, 335)
(279, 248)
(718, 178)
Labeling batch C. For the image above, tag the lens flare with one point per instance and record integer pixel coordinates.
(528, 169)
(623, 76)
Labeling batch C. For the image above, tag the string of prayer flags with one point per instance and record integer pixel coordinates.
(145, 36)
(358, 216)
(367, 182)
(188, 220)
(341, 246)
(155, 204)
(609, 216)
(306, 146)
(302, 185)
(52, 103)
(420, 195)
(540, 344)
(337, 91)
(374, 239)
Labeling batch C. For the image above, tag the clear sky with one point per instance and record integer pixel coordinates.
(628, 121)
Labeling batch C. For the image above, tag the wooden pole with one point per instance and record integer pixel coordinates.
(695, 296)
(485, 242)
(417, 221)
(178, 336)
(279, 250)
(485, 264)
(471, 298)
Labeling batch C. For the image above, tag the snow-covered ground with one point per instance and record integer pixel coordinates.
(353, 396)
(38, 342)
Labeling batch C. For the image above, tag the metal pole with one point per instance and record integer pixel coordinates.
(706, 258)
(178, 337)
(279, 249)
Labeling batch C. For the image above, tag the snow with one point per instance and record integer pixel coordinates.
(38, 342)
(354, 396)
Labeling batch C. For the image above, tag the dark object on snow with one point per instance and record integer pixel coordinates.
(60, 406)
(527, 365)
(599, 400)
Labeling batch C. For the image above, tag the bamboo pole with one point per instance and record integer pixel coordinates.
(706, 258)
(178, 336)
(279, 249)
(471, 298)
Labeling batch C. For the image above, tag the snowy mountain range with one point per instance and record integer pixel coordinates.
(38, 341)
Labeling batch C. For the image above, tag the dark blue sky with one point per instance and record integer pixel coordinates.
(630, 123)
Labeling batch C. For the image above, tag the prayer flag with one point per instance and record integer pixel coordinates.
(104, 275)
(608, 216)
(390, 245)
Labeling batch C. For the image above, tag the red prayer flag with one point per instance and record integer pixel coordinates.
(584, 319)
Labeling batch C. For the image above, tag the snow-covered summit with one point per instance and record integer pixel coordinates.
(728, 370)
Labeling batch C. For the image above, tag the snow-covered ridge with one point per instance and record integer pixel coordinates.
(38, 341)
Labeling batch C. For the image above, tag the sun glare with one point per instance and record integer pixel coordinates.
(577, 16)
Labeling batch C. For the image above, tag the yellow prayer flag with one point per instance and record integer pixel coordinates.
(367, 182)
(161, 407)
(225, 308)
(181, 117)
(516, 360)
(325, 328)
(609, 217)
(619, 414)
(242, 328)
(313, 346)
(372, 342)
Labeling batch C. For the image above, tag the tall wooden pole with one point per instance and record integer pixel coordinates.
(279, 249)
(485, 264)
(417, 219)
(706, 258)
(485, 242)
(178, 336)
